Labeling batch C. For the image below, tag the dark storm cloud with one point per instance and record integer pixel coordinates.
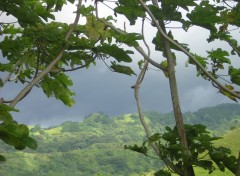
(99, 89)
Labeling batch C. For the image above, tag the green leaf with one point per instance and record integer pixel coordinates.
(159, 44)
(155, 137)
(30, 142)
(234, 75)
(94, 28)
(81, 44)
(164, 64)
(202, 61)
(140, 64)
(157, 12)
(233, 16)
(4, 107)
(136, 148)
(162, 173)
(168, 129)
(71, 1)
(219, 56)
(5, 116)
(205, 15)
(129, 39)
(175, 147)
(181, 3)
(170, 11)
(122, 69)
(206, 164)
(131, 9)
(41, 11)
(230, 96)
(58, 87)
(2, 158)
(86, 11)
(50, 4)
(16, 135)
(59, 4)
(114, 51)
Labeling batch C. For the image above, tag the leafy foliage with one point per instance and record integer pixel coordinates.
(59, 88)
(131, 9)
(12, 133)
(200, 143)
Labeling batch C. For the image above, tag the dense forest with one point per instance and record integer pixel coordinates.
(95, 146)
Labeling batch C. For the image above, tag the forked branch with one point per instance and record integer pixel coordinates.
(136, 87)
(53, 63)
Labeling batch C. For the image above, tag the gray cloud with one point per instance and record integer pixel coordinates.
(98, 89)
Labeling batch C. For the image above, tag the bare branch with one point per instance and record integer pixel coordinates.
(136, 93)
(53, 63)
(144, 41)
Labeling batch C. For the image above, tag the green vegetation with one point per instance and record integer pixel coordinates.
(96, 145)
(40, 53)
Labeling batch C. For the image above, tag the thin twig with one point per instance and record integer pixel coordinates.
(107, 65)
(144, 41)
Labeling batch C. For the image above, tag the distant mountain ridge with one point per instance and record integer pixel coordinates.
(221, 117)
(95, 146)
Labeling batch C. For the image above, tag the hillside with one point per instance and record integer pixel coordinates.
(218, 119)
(96, 145)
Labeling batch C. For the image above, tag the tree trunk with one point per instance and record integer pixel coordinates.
(188, 168)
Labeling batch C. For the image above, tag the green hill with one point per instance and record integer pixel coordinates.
(229, 140)
(96, 145)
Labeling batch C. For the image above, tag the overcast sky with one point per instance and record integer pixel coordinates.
(99, 89)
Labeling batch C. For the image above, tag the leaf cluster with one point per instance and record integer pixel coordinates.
(203, 153)
(12, 133)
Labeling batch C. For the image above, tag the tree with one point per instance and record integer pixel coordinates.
(39, 53)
